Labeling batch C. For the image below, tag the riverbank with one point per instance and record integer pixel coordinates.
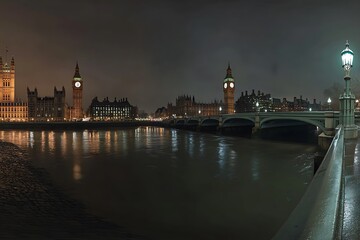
(31, 207)
(76, 125)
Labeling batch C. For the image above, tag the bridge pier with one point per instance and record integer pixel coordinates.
(326, 137)
(256, 128)
(329, 124)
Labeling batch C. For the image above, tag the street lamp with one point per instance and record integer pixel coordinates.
(347, 56)
(329, 102)
(199, 112)
(257, 106)
(347, 99)
(220, 109)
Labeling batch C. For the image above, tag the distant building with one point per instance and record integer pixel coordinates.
(47, 108)
(247, 102)
(10, 109)
(113, 111)
(299, 104)
(187, 106)
(161, 112)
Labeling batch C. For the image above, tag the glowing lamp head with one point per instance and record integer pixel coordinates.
(347, 56)
(329, 100)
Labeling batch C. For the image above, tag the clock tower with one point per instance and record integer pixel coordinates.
(77, 86)
(229, 90)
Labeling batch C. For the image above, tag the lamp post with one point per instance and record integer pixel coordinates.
(257, 106)
(220, 109)
(347, 99)
(329, 103)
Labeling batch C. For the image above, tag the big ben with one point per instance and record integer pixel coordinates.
(229, 91)
(77, 85)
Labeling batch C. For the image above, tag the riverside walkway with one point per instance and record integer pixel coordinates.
(32, 208)
(351, 181)
(329, 208)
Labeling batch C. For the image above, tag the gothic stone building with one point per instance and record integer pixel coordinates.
(47, 108)
(10, 109)
(187, 106)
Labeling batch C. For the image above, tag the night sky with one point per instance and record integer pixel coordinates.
(153, 51)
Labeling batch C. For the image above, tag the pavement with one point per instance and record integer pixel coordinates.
(31, 207)
(351, 180)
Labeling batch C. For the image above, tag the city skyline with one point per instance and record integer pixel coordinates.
(163, 49)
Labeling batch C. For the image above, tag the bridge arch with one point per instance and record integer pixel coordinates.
(317, 123)
(209, 122)
(238, 122)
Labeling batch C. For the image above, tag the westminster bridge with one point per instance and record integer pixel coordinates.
(326, 121)
(328, 209)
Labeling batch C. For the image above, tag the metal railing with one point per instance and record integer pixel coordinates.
(318, 214)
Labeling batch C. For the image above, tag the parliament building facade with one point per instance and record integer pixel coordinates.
(10, 108)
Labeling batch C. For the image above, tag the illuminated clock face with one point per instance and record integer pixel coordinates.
(77, 84)
(232, 85)
(225, 85)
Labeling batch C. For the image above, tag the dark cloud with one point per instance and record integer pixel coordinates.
(152, 51)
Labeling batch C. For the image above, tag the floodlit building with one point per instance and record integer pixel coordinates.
(10, 108)
(111, 111)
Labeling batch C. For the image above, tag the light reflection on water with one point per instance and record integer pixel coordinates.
(169, 184)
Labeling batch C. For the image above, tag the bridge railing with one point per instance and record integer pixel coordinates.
(317, 216)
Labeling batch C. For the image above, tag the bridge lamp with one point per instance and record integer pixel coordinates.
(199, 111)
(310, 109)
(220, 109)
(329, 102)
(347, 56)
(347, 99)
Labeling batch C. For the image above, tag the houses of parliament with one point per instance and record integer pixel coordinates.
(55, 108)
(11, 109)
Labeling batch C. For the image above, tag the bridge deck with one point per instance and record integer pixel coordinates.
(351, 219)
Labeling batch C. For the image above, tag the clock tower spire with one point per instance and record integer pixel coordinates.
(77, 85)
(77, 72)
(229, 90)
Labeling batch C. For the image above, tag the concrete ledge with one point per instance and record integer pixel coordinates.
(317, 216)
(324, 141)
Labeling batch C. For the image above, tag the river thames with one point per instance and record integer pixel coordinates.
(172, 184)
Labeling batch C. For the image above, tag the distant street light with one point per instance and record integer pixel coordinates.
(310, 109)
(199, 112)
(329, 102)
(257, 106)
(220, 109)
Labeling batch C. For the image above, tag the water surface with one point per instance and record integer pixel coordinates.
(171, 184)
